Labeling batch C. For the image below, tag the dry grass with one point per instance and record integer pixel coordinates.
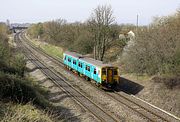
(53, 50)
(10, 112)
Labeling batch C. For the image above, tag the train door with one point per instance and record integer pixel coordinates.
(95, 74)
(109, 75)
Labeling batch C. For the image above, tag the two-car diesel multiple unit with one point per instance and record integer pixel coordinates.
(102, 74)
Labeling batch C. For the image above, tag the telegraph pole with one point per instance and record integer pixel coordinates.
(137, 22)
(8, 23)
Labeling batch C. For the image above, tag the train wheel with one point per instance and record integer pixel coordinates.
(87, 78)
(98, 84)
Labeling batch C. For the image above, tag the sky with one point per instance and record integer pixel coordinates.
(125, 11)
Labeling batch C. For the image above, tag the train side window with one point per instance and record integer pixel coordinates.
(115, 72)
(103, 72)
(69, 59)
(79, 64)
(87, 68)
(74, 62)
(94, 71)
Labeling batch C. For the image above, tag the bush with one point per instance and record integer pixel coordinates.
(170, 81)
(19, 64)
(155, 49)
(21, 90)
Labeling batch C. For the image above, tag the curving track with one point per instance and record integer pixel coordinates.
(145, 109)
(62, 83)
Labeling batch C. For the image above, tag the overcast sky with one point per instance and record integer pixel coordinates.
(125, 11)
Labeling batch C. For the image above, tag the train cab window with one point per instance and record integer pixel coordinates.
(103, 72)
(94, 71)
(65, 57)
(87, 68)
(115, 72)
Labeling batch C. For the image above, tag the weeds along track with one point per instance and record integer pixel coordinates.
(145, 109)
(62, 83)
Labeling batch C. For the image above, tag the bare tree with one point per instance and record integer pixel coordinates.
(100, 24)
(54, 28)
(156, 49)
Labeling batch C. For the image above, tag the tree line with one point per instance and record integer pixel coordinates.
(154, 50)
(94, 36)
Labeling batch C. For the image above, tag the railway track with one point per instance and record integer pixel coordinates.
(80, 98)
(152, 113)
(145, 109)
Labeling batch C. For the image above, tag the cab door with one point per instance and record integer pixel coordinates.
(109, 75)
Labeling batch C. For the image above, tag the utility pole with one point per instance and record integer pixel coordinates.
(8, 23)
(137, 22)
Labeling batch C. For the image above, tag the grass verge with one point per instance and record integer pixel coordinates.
(11, 112)
(48, 48)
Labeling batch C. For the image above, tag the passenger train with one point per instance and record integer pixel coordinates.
(103, 74)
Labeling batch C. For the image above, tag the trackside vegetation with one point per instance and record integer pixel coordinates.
(21, 98)
(156, 50)
(48, 48)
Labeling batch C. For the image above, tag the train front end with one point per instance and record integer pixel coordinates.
(110, 76)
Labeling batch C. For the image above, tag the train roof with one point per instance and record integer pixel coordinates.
(95, 62)
(88, 60)
(74, 54)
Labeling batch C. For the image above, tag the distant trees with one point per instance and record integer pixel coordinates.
(36, 30)
(156, 49)
(92, 36)
(55, 29)
(100, 23)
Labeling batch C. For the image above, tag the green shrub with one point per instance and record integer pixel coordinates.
(18, 63)
(169, 80)
(155, 49)
(21, 90)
